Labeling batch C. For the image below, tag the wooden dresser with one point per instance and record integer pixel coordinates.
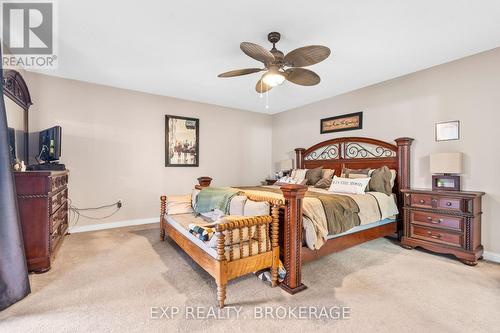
(42, 198)
(444, 222)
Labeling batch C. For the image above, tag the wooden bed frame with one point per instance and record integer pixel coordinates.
(224, 268)
(339, 153)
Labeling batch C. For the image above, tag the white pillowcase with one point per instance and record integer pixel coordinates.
(179, 204)
(299, 176)
(349, 185)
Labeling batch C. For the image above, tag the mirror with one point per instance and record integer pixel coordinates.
(15, 123)
(17, 102)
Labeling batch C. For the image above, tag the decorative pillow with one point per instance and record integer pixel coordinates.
(324, 183)
(355, 173)
(393, 178)
(380, 180)
(313, 175)
(237, 205)
(327, 173)
(349, 185)
(299, 175)
(180, 204)
(290, 180)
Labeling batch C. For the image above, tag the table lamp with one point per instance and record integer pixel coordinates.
(446, 168)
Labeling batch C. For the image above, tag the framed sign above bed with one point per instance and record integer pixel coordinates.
(181, 141)
(345, 122)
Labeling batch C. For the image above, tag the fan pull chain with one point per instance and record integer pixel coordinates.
(267, 99)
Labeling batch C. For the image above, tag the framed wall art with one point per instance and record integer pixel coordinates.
(345, 122)
(181, 141)
(448, 130)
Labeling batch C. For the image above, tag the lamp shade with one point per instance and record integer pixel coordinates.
(446, 163)
(286, 165)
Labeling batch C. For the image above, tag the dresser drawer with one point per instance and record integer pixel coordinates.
(449, 203)
(57, 200)
(58, 218)
(421, 200)
(437, 220)
(56, 182)
(437, 235)
(57, 236)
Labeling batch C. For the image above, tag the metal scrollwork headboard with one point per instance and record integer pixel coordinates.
(359, 153)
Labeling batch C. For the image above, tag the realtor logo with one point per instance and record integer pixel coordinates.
(28, 34)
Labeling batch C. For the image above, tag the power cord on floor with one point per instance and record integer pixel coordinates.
(75, 213)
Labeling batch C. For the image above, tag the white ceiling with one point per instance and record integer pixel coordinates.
(177, 48)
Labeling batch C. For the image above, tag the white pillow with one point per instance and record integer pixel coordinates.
(299, 176)
(237, 205)
(194, 196)
(179, 204)
(256, 208)
(349, 185)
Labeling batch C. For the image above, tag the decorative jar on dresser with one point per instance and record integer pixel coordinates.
(42, 198)
(444, 222)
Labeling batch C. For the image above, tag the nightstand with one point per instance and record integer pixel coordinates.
(444, 222)
(270, 181)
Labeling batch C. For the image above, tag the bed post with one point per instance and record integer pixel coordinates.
(163, 210)
(403, 175)
(292, 231)
(404, 162)
(299, 158)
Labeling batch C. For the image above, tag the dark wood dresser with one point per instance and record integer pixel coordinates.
(42, 198)
(444, 222)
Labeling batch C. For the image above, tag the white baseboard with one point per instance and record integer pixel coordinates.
(111, 225)
(491, 256)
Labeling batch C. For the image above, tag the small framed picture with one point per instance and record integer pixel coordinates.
(449, 130)
(345, 122)
(181, 141)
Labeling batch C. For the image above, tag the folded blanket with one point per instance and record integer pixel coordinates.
(210, 198)
(204, 233)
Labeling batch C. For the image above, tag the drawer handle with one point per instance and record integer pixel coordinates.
(434, 236)
(422, 201)
(432, 221)
(448, 203)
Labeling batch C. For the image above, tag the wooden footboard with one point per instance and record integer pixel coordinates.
(227, 265)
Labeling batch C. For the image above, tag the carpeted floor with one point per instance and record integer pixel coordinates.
(107, 281)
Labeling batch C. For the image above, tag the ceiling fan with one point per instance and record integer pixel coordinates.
(280, 67)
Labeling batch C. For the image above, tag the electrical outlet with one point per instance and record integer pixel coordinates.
(119, 203)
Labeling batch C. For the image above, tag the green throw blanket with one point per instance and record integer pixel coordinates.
(210, 198)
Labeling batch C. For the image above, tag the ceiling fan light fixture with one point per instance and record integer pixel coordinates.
(274, 78)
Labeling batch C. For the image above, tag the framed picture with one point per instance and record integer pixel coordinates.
(449, 130)
(181, 141)
(345, 122)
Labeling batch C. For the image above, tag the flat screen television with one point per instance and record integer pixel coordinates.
(12, 144)
(49, 144)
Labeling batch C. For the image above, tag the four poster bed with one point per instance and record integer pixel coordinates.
(339, 153)
(288, 203)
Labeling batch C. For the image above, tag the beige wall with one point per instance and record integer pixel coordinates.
(113, 143)
(467, 90)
